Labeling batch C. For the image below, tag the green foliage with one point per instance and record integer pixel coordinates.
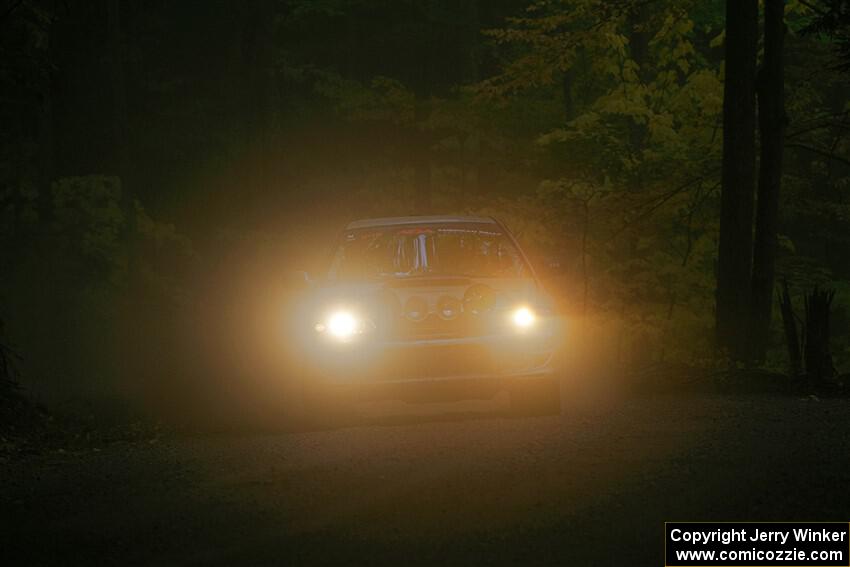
(383, 99)
(832, 20)
(69, 298)
(632, 161)
(638, 151)
(88, 221)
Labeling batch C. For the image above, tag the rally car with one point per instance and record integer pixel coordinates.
(430, 305)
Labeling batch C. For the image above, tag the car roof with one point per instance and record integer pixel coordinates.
(435, 219)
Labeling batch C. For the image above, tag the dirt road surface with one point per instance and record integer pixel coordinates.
(459, 485)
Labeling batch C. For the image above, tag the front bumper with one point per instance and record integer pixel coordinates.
(481, 358)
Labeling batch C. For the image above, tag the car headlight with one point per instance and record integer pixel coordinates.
(342, 325)
(523, 317)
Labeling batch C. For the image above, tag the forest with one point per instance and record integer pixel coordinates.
(165, 166)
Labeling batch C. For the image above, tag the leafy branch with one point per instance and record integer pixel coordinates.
(820, 152)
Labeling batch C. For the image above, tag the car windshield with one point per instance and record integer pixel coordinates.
(450, 249)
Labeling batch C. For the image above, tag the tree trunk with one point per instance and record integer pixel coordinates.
(471, 143)
(816, 350)
(792, 339)
(422, 155)
(351, 41)
(121, 128)
(473, 40)
(258, 59)
(771, 95)
(639, 51)
(422, 136)
(738, 176)
(422, 162)
(46, 153)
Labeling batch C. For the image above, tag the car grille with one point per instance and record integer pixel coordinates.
(435, 327)
(438, 361)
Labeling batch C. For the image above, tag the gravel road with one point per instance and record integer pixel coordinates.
(458, 484)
